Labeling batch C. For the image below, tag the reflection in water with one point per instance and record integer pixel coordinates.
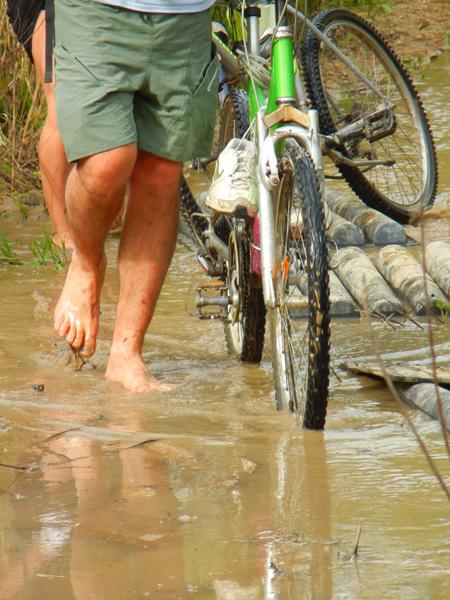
(108, 511)
(207, 492)
(300, 563)
(109, 515)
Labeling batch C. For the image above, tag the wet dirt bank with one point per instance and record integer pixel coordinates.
(207, 492)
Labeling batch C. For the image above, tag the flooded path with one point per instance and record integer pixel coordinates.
(207, 492)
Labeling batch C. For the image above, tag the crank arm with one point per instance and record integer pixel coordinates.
(373, 127)
(216, 243)
(339, 159)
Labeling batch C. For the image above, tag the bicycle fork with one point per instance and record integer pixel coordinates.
(268, 180)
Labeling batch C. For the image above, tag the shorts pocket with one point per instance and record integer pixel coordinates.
(61, 53)
(202, 113)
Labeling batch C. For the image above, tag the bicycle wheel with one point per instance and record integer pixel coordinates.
(407, 182)
(300, 325)
(244, 327)
(233, 122)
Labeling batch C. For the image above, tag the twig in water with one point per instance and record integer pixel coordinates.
(406, 415)
(13, 467)
(413, 321)
(358, 537)
(335, 373)
(143, 443)
(54, 436)
(58, 455)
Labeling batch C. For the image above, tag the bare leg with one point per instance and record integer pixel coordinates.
(52, 157)
(147, 245)
(94, 193)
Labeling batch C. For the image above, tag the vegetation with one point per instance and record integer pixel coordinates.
(7, 253)
(22, 110)
(44, 252)
(370, 6)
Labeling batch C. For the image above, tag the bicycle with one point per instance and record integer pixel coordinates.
(370, 123)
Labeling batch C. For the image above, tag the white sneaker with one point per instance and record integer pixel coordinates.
(234, 183)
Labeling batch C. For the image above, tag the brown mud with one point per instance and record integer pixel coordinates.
(418, 30)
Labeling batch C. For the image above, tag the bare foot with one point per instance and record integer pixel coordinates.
(131, 372)
(78, 308)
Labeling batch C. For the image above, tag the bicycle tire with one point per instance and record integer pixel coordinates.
(406, 188)
(189, 209)
(244, 328)
(244, 337)
(234, 120)
(300, 331)
(234, 112)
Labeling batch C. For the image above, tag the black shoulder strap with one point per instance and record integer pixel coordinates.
(49, 39)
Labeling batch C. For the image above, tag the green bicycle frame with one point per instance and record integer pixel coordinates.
(282, 80)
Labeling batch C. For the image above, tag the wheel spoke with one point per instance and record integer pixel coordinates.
(295, 362)
(342, 98)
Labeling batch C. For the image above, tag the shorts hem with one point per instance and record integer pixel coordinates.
(75, 156)
(164, 153)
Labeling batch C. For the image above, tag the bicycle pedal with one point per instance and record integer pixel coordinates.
(211, 300)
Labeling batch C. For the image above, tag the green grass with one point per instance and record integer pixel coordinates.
(44, 253)
(22, 111)
(7, 254)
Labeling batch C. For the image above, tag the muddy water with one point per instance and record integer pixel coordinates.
(206, 492)
(434, 86)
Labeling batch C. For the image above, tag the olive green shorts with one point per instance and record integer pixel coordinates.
(124, 76)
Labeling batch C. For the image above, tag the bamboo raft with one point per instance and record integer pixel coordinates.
(418, 385)
(373, 269)
(383, 276)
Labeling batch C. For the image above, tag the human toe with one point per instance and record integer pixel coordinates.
(77, 343)
(88, 347)
(72, 334)
(64, 326)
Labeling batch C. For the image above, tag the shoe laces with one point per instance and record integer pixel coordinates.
(243, 170)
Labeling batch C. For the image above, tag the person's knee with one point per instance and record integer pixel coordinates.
(155, 174)
(156, 167)
(105, 173)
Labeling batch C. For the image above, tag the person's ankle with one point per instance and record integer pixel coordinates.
(123, 350)
(89, 262)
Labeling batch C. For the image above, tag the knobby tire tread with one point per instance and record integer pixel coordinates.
(319, 340)
(306, 180)
(253, 309)
(253, 300)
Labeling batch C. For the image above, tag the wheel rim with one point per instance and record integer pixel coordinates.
(406, 183)
(234, 311)
(291, 332)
